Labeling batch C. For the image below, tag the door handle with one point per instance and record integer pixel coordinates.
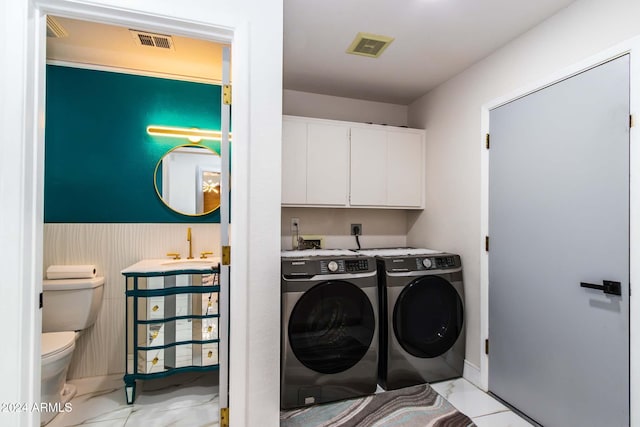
(608, 287)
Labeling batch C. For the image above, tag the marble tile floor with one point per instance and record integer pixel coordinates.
(482, 408)
(162, 403)
(179, 400)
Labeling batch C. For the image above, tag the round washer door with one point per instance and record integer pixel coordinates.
(331, 327)
(428, 317)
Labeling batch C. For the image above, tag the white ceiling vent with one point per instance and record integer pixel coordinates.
(371, 45)
(144, 38)
(54, 29)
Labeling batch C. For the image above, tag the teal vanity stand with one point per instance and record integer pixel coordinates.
(171, 320)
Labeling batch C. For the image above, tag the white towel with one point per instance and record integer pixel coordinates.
(71, 271)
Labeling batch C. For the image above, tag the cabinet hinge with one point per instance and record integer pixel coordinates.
(486, 243)
(630, 120)
(487, 143)
(224, 417)
(486, 346)
(226, 255)
(226, 94)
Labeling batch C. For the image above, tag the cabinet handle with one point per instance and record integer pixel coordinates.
(154, 361)
(210, 354)
(155, 308)
(204, 254)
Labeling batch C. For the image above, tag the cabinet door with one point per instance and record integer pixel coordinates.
(327, 164)
(294, 162)
(405, 156)
(368, 167)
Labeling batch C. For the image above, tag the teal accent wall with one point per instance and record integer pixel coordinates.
(99, 159)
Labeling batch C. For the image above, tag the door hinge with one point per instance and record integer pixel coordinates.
(630, 120)
(486, 346)
(226, 255)
(226, 94)
(487, 143)
(40, 300)
(224, 417)
(486, 243)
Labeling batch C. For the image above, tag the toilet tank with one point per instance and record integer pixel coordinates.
(71, 304)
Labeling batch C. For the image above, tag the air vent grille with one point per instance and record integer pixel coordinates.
(371, 45)
(161, 41)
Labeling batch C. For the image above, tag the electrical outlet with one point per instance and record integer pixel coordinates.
(356, 229)
(295, 224)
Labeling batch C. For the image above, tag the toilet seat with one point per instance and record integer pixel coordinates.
(56, 344)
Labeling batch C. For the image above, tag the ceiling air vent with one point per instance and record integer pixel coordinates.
(371, 45)
(144, 38)
(54, 29)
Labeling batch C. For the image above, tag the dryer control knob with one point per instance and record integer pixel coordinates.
(426, 262)
(332, 266)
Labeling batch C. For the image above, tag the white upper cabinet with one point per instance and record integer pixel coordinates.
(327, 164)
(334, 163)
(315, 162)
(386, 167)
(294, 162)
(405, 169)
(368, 167)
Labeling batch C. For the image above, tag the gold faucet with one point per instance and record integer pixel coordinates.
(189, 240)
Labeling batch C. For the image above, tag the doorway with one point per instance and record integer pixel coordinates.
(112, 266)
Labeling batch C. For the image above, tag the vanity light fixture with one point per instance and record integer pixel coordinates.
(193, 134)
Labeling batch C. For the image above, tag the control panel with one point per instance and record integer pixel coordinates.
(344, 266)
(436, 262)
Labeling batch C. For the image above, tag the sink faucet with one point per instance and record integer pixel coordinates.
(189, 240)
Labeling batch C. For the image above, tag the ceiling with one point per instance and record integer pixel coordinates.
(434, 41)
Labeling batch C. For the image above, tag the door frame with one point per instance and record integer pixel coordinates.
(631, 47)
(238, 37)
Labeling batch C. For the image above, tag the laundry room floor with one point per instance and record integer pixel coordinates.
(484, 410)
(100, 402)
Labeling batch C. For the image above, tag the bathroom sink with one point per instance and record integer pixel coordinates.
(167, 265)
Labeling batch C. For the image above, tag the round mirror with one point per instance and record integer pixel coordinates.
(187, 179)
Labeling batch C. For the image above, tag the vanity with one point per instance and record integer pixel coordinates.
(172, 318)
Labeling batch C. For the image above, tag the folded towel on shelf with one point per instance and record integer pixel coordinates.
(71, 271)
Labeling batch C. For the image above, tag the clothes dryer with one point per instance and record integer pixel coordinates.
(422, 337)
(329, 334)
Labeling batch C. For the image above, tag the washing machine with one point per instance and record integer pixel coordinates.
(329, 334)
(422, 326)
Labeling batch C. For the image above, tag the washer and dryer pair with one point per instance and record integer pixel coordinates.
(351, 320)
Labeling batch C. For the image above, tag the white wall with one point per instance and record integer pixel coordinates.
(257, 50)
(451, 116)
(296, 103)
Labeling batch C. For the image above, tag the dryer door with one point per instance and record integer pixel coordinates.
(428, 317)
(331, 327)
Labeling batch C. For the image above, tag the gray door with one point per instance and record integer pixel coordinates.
(559, 217)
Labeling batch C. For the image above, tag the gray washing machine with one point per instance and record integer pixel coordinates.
(422, 337)
(329, 334)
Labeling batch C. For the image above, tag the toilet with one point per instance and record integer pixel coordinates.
(69, 307)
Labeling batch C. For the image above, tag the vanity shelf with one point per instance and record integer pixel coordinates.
(171, 320)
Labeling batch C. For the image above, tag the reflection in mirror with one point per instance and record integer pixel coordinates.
(187, 179)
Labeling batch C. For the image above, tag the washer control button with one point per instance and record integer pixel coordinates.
(332, 266)
(426, 262)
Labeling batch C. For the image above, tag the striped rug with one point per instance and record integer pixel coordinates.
(417, 406)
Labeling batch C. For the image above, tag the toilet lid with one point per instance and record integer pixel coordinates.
(56, 342)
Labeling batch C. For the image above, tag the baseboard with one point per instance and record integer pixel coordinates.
(471, 373)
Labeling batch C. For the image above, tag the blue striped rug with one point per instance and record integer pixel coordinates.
(417, 406)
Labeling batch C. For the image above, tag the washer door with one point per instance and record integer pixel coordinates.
(331, 327)
(428, 317)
